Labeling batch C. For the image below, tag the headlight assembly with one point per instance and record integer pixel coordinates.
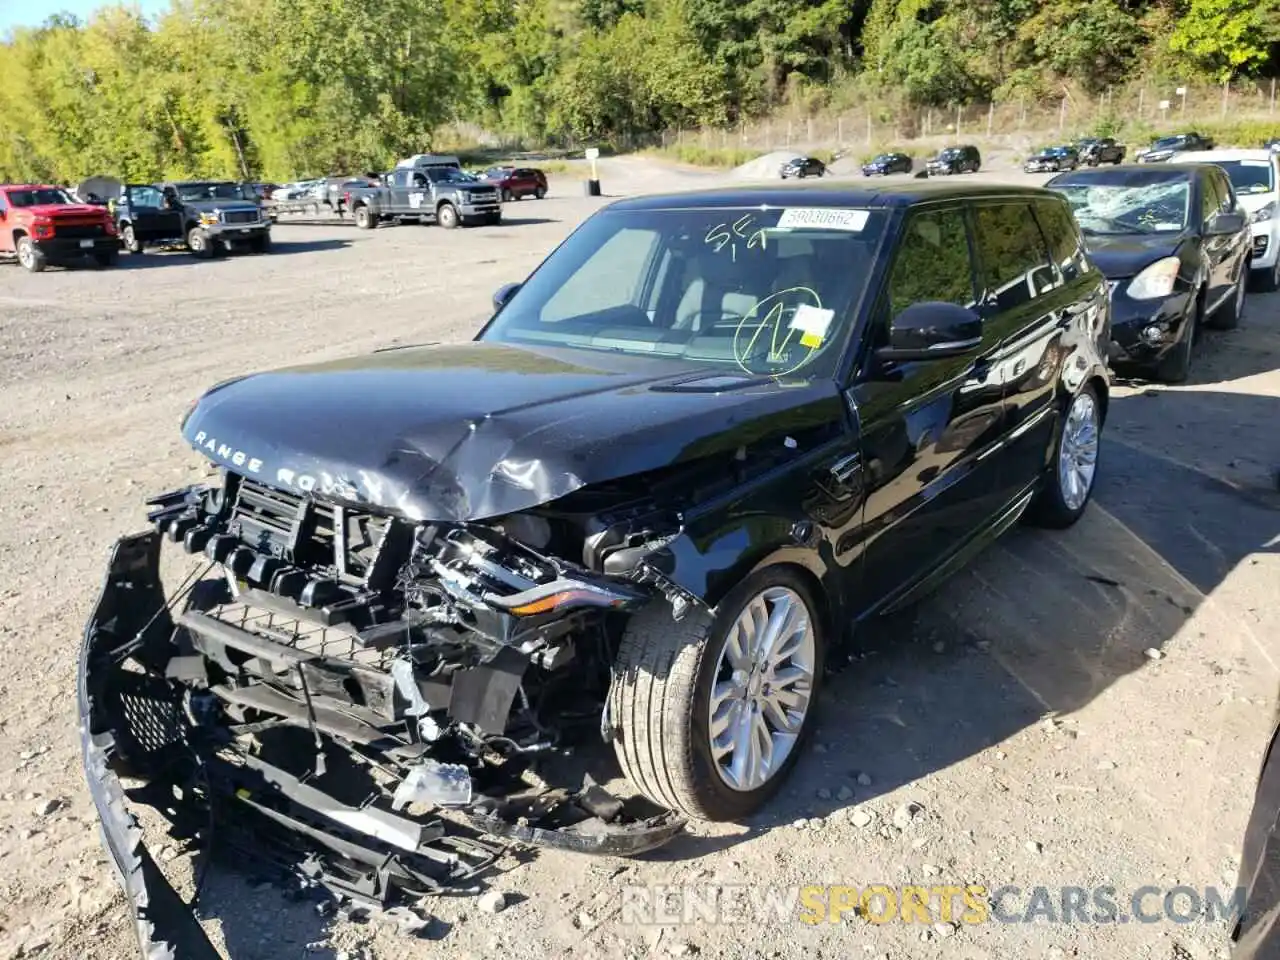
(1156, 280)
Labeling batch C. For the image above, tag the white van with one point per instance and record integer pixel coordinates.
(1255, 176)
(427, 161)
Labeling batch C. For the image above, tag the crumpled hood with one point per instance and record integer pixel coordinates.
(1124, 256)
(477, 430)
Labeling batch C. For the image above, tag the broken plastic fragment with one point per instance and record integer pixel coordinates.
(429, 782)
(407, 684)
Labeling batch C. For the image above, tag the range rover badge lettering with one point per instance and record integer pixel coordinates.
(227, 453)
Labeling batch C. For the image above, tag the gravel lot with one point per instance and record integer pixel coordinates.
(1020, 708)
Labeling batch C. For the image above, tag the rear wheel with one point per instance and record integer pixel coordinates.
(29, 255)
(1069, 484)
(711, 711)
(540, 192)
(447, 216)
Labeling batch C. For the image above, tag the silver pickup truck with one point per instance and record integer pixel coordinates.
(443, 194)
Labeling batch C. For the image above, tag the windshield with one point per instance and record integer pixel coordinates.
(765, 291)
(884, 158)
(1250, 176)
(37, 197)
(1166, 142)
(220, 191)
(950, 153)
(146, 196)
(1134, 204)
(446, 175)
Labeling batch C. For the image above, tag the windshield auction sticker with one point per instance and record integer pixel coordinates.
(823, 218)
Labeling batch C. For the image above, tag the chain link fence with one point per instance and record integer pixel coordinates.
(1136, 110)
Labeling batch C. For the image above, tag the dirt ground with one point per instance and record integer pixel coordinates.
(1020, 710)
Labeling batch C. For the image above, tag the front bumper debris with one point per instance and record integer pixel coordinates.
(192, 705)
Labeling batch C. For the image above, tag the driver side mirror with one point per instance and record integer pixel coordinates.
(503, 294)
(1225, 224)
(932, 330)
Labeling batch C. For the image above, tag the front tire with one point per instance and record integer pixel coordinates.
(365, 219)
(1069, 485)
(200, 243)
(1176, 366)
(1227, 316)
(540, 193)
(447, 216)
(711, 712)
(130, 238)
(1269, 281)
(29, 255)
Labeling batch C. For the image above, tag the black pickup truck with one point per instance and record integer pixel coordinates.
(443, 194)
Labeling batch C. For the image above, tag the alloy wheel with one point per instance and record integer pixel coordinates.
(1078, 451)
(763, 688)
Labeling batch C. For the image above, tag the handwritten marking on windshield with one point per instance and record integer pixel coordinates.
(772, 321)
(727, 235)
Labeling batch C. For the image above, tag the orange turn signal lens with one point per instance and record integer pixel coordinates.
(566, 596)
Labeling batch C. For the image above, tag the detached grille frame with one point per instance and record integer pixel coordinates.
(303, 531)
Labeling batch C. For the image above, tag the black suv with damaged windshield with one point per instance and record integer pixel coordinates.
(707, 439)
(1175, 247)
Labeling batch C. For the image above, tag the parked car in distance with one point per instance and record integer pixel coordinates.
(1096, 150)
(802, 167)
(146, 216)
(1165, 148)
(42, 225)
(1255, 177)
(1175, 247)
(887, 163)
(516, 183)
(1052, 159)
(959, 159)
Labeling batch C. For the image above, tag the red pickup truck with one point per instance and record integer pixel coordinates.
(516, 183)
(41, 225)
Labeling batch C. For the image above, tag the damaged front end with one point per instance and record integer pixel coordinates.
(378, 706)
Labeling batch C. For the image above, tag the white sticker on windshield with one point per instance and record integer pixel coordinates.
(823, 218)
(812, 322)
